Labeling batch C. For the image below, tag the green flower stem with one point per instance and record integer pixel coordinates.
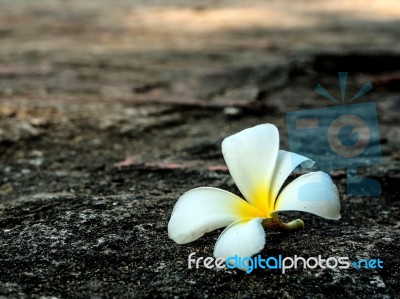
(276, 224)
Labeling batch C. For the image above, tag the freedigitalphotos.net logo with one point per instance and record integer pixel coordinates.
(343, 136)
(249, 264)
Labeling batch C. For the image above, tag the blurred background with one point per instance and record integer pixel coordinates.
(98, 83)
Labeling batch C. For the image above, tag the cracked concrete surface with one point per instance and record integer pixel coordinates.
(109, 111)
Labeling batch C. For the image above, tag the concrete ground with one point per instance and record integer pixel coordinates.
(110, 110)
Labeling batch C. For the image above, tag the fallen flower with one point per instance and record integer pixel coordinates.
(259, 170)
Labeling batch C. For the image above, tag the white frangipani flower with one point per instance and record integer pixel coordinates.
(259, 170)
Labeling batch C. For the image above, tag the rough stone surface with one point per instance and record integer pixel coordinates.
(110, 110)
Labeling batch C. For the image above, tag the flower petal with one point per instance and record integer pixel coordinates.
(204, 209)
(251, 155)
(285, 164)
(243, 238)
(313, 193)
